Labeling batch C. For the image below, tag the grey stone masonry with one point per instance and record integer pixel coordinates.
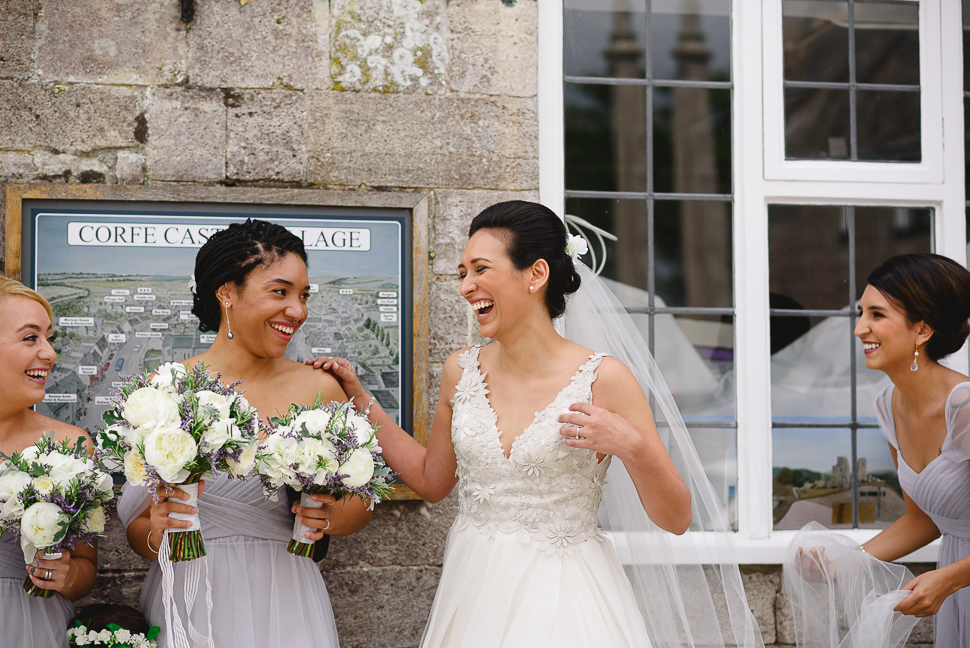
(186, 134)
(16, 37)
(267, 135)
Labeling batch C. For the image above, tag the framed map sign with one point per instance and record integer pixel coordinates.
(117, 273)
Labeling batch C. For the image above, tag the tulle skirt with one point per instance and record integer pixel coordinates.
(498, 591)
(262, 597)
(30, 621)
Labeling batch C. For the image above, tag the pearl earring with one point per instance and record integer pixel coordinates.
(228, 328)
(531, 288)
(915, 366)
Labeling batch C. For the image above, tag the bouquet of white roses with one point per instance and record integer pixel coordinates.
(52, 497)
(175, 427)
(329, 449)
(113, 635)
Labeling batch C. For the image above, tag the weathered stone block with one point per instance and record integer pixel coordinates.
(389, 46)
(450, 316)
(16, 37)
(453, 213)
(186, 134)
(493, 47)
(284, 43)
(422, 141)
(761, 589)
(784, 622)
(267, 135)
(434, 389)
(68, 118)
(105, 41)
(130, 168)
(117, 556)
(383, 607)
(115, 587)
(17, 166)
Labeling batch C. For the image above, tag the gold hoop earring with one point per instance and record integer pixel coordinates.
(915, 365)
(228, 328)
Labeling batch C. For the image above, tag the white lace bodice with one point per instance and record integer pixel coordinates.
(544, 491)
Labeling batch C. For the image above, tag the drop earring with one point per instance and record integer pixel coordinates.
(915, 366)
(228, 328)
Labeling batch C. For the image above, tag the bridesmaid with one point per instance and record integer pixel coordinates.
(26, 359)
(252, 289)
(912, 314)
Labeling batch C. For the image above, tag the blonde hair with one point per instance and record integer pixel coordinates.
(13, 288)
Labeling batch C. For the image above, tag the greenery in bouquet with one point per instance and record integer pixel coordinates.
(175, 427)
(53, 496)
(113, 635)
(323, 449)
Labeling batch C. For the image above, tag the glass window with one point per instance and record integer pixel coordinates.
(831, 464)
(647, 117)
(852, 81)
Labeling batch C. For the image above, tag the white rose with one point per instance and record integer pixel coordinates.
(209, 400)
(576, 246)
(31, 453)
(135, 468)
(106, 484)
(247, 459)
(62, 467)
(11, 483)
(316, 421)
(150, 407)
(358, 469)
(141, 642)
(105, 635)
(82, 639)
(166, 376)
(122, 636)
(366, 438)
(41, 524)
(95, 521)
(43, 484)
(218, 432)
(167, 450)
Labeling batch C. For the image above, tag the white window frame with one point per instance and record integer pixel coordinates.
(929, 169)
(755, 188)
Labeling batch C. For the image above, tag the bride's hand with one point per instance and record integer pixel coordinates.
(600, 430)
(343, 371)
(815, 566)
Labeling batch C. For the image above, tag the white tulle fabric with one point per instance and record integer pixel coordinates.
(262, 596)
(525, 563)
(28, 621)
(851, 605)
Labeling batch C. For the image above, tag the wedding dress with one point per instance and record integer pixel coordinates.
(28, 621)
(262, 596)
(525, 563)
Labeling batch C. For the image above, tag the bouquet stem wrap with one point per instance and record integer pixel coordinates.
(40, 592)
(186, 544)
(300, 545)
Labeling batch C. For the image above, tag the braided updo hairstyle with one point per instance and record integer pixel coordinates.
(928, 288)
(532, 232)
(230, 255)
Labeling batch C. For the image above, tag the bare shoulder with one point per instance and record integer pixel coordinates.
(62, 430)
(307, 383)
(615, 383)
(614, 372)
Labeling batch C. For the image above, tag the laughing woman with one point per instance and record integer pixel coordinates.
(26, 359)
(252, 289)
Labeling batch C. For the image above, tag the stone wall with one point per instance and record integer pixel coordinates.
(359, 96)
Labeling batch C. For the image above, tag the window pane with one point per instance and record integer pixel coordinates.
(808, 256)
(816, 123)
(692, 140)
(887, 43)
(693, 253)
(717, 449)
(812, 477)
(626, 260)
(605, 137)
(880, 497)
(690, 44)
(883, 232)
(889, 126)
(816, 41)
(601, 41)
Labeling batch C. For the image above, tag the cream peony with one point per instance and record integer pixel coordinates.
(168, 449)
(247, 459)
(366, 438)
(358, 469)
(43, 484)
(31, 453)
(149, 407)
(11, 483)
(106, 483)
(135, 468)
(218, 432)
(313, 453)
(63, 468)
(95, 521)
(210, 401)
(43, 524)
(166, 376)
(316, 421)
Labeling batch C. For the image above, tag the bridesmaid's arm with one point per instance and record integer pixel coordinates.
(429, 471)
(929, 590)
(337, 518)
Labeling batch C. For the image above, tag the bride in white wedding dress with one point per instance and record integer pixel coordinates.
(527, 428)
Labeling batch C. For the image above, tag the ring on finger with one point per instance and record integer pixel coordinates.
(328, 524)
(47, 574)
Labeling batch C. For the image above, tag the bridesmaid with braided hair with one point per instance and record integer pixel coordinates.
(252, 289)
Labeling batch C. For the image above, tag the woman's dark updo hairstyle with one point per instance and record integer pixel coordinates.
(230, 255)
(532, 232)
(928, 288)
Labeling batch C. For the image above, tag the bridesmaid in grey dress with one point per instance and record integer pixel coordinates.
(26, 359)
(253, 290)
(912, 314)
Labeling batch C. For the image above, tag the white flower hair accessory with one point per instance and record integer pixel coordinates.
(576, 246)
(192, 285)
(114, 636)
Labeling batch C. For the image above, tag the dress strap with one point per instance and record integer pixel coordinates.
(586, 375)
(469, 357)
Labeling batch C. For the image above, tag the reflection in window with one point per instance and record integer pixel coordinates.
(647, 92)
(852, 86)
(830, 462)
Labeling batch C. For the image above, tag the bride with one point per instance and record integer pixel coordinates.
(527, 428)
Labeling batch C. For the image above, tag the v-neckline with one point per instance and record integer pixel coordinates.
(899, 450)
(497, 433)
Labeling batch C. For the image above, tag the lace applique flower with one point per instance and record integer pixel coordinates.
(532, 464)
(561, 536)
(482, 492)
(470, 385)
